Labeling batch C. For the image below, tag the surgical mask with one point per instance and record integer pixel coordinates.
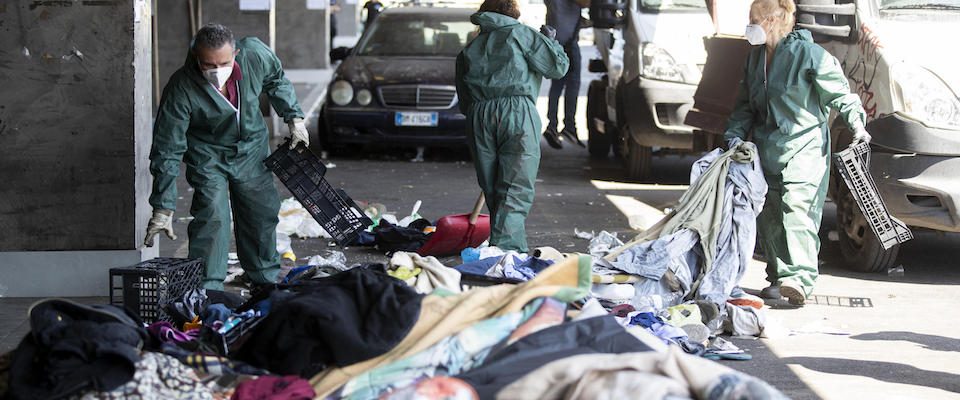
(755, 34)
(218, 76)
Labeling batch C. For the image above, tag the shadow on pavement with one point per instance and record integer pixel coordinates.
(880, 370)
(930, 342)
(768, 367)
(927, 259)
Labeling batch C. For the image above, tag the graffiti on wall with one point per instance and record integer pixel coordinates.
(863, 71)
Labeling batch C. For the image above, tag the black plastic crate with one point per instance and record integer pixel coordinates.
(302, 172)
(148, 287)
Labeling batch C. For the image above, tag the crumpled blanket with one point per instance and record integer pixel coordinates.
(433, 274)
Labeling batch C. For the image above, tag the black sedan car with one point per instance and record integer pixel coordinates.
(397, 86)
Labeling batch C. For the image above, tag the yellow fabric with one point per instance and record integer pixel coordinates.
(443, 316)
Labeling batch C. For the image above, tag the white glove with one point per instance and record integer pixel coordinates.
(298, 133)
(860, 135)
(162, 221)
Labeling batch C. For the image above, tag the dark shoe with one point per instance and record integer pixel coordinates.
(794, 294)
(571, 135)
(771, 292)
(553, 138)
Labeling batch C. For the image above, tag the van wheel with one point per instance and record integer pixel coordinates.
(859, 246)
(639, 159)
(599, 142)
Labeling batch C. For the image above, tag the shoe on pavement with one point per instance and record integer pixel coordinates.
(571, 135)
(553, 138)
(771, 292)
(793, 293)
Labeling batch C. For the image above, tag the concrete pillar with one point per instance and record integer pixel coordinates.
(174, 32)
(348, 19)
(243, 23)
(75, 129)
(303, 36)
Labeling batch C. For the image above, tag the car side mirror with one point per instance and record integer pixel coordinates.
(340, 53)
(827, 21)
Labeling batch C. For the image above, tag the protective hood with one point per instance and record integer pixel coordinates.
(799, 34)
(491, 21)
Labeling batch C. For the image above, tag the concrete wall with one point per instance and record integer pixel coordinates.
(174, 34)
(303, 38)
(348, 19)
(75, 120)
(243, 23)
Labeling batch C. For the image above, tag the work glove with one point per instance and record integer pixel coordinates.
(549, 32)
(298, 132)
(733, 142)
(860, 135)
(162, 221)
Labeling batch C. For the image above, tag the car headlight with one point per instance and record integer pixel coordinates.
(660, 65)
(364, 97)
(341, 92)
(925, 97)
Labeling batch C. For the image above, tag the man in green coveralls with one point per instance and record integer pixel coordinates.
(498, 81)
(209, 118)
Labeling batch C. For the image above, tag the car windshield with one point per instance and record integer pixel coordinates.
(420, 35)
(673, 4)
(919, 4)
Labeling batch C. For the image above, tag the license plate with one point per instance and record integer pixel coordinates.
(416, 119)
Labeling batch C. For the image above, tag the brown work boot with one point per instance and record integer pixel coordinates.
(794, 294)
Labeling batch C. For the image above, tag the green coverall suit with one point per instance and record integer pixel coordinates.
(223, 149)
(498, 81)
(786, 107)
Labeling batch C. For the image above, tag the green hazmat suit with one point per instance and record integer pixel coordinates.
(786, 108)
(498, 81)
(223, 148)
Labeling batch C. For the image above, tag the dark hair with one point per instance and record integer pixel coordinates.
(213, 36)
(505, 7)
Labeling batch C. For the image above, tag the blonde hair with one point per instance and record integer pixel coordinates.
(779, 11)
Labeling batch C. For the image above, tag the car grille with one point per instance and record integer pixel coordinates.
(419, 96)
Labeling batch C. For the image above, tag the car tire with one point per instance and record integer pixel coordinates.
(599, 142)
(639, 159)
(860, 248)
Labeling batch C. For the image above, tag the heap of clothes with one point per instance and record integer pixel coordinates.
(634, 320)
(364, 334)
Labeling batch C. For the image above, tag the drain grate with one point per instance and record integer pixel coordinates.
(840, 301)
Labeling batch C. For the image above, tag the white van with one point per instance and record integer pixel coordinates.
(652, 53)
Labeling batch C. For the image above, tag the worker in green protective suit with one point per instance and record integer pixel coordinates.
(209, 117)
(789, 86)
(498, 81)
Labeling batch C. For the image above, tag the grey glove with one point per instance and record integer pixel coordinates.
(162, 221)
(860, 135)
(549, 32)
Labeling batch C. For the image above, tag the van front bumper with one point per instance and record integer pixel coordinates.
(915, 168)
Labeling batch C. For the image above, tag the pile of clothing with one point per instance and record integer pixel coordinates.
(364, 334)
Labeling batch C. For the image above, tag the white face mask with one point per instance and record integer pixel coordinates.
(218, 76)
(755, 34)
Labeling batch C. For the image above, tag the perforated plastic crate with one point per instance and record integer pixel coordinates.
(148, 287)
(302, 172)
(854, 166)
